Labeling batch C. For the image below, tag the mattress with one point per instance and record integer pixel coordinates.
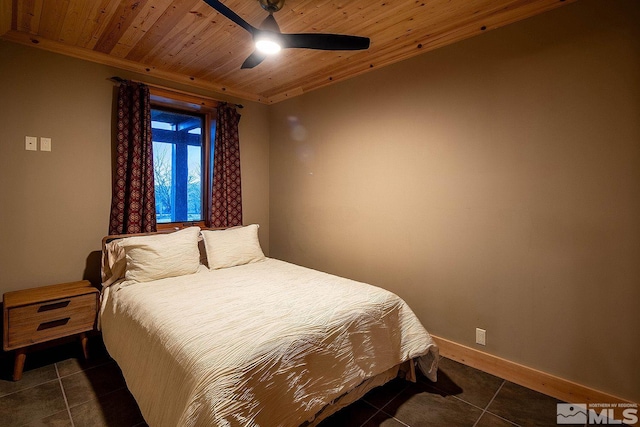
(263, 344)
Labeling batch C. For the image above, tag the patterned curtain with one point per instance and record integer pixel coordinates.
(133, 204)
(226, 209)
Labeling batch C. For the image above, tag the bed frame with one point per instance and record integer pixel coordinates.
(405, 370)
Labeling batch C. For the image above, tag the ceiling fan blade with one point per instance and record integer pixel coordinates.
(217, 5)
(325, 41)
(270, 30)
(254, 59)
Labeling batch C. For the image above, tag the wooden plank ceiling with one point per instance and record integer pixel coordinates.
(188, 42)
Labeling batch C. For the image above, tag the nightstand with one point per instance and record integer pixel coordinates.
(37, 315)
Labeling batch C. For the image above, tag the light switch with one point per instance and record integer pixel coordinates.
(45, 144)
(31, 143)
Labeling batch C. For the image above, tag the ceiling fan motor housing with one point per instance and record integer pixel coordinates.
(271, 6)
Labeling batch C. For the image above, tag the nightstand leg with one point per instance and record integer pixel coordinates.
(18, 365)
(85, 350)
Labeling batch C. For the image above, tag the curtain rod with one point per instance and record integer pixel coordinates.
(119, 80)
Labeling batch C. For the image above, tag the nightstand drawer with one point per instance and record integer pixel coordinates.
(45, 321)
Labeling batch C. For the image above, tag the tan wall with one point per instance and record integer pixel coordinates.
(54, 207)
(494, 183)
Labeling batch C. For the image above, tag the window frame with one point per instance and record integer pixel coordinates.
(183, 102)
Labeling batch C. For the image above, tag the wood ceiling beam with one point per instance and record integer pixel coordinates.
(124, 64)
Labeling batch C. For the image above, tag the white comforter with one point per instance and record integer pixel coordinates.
(264, 344)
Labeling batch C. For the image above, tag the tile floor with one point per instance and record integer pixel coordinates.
(58, 389)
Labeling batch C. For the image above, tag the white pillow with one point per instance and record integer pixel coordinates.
(233, 246)
(161, 255)
(114, 263)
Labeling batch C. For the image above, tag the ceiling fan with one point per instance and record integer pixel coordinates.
(269, 40)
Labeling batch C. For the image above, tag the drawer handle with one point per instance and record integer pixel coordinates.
(54, 306)
(53, 324)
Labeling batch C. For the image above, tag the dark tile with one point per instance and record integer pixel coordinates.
(74, 365)
(424, 405)
(97, 356)
(383, 420)
(59, 419)
(490, 420)
(524, 406)
(29, 379)
(31, 404)
(116, 409)
(467, 383)
(382, 395)
(353, 415)
(92, 383)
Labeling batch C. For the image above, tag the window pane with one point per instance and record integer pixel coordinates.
(194, 191)
(177, 160)
(162, 169)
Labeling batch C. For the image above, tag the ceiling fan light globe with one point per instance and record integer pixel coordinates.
(268, 47)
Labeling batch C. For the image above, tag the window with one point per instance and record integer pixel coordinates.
(182, 130)
(177, 165)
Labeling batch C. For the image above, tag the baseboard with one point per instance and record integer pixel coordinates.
(565, 390)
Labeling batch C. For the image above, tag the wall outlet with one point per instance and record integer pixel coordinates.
(481, 336)
(31, 143)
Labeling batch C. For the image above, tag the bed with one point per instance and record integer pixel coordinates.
(209, 332)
